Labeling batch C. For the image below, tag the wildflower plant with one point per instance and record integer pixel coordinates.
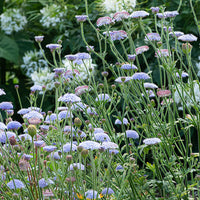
(120, 137)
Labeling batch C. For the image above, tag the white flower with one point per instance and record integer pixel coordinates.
(12, 21)
(43, 78)
(81, 66)
(53, 15)
(33, 61)
(117, 5)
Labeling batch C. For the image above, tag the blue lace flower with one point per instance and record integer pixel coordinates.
(15, 184)
(13, 125)
(132, 134)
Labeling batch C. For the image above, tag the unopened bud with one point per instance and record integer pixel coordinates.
(32, 130)
(77, 122)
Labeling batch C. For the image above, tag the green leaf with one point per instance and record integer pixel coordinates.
(8, 49)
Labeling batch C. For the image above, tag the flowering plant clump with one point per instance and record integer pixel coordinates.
(12, 20)
(33, 61)
(124, 135)
(53, 16)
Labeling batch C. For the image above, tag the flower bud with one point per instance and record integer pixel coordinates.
(77, 122)
(186, 48)
(69, 159)
(84, 153)
(101, 85)
(32, 130)
(104, 74)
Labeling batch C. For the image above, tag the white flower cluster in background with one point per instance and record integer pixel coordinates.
(43, 78)
(12, 21)
(33, 61)
(110, 6)
(188, 93)
(82, 66)
(52, 15)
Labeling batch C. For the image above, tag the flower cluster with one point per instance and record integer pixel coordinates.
(53, 15)
(12, 21)
(33, 61)
(43, 78)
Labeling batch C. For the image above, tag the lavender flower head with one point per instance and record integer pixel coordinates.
(39, 38)
(110, 145)
(131, 57)
(188, 38)
(71, 57)
(141, 49)
(118, 35)
(152, 37)
(102, 21)
(162, 52)
(151, 141)
(155, 9)
(119, 167)
(6, 105)
(102, 137)
(64, 115)
(69, 98)
(15, 184)
(123, 79)
(13, 125)
(90, 145)
(125, 121)
(36, 88)
(53, 46)
(82, 56)
(92, 194)
(176, 34)
(107, 191)
(150, 85)
(81, 18)
(140, 76)
(119, 16)
(5, 135)
(76, 166)
(132, 134)
(139, 14)
(167, 14)
(33, 115)
(2, 126)
(49, 148)
(128, 67)
(67, 147)
(23, 111)
(183, 74)
(103, 97)
(39, 143)
(44, 183)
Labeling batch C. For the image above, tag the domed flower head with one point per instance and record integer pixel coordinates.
(71, 57)
(119, 16)
(75, 166)
(68, 147)
(176, 34)
(139, 14)
(81, 18)
(141, 49)
(163, 93)
(167, 14)
(131, 57)
(49, 148)
(188, 38)
(107, 191)
(69, 98)
(155, 9)
(118, 35)
(6, 105)
(119, 167)
(162, 52)
(83, 56)
(64, 115)
(150, 85)
(103, 97)
(33, 114)
(125, 121)
(151, 141)
(5, 135)
(132, 134)
(98, 130)
(53, 46)
(110, 145)
(15, 184)
(13, 125)
(102, 137)
(36, 88)
(2, 126)
(55, 155)
(90, 145)
(92, 194)
(128, 67)
(102, 21)
(123, 79)
(183, 74)
(39, 143)
(140, 76)
(39, 38)
(152, 37)
(44, 183)
(81, 90)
